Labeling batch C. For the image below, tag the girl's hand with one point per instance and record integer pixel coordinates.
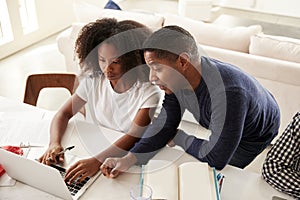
(82, 169)
(50, 156)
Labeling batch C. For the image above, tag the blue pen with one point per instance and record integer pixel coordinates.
(220, 178)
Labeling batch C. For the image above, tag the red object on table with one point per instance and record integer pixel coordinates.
(2, 171)
(14, 149)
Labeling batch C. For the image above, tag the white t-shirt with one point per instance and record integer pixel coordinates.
(116, 110)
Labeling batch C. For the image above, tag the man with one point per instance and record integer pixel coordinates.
(243, 116)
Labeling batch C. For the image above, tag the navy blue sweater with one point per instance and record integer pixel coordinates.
(228, 102)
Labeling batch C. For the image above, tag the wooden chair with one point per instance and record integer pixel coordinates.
(36, 82)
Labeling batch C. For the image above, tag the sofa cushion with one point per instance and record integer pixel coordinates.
(85, 13)
(277, 47)
(237, 38)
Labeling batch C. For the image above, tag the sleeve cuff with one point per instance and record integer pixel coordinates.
(143, 158)
(183, 140)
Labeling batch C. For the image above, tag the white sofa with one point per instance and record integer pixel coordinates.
(274, 61)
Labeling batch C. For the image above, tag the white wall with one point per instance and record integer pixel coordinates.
(53, 16)
(56, 15)
(284, 7)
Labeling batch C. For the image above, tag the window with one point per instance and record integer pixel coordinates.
(25, 22)
(28, 16)
(28, 19)
(6, 34)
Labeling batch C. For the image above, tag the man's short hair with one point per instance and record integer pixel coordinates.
(170, 42)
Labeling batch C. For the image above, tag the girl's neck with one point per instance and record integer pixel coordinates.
(122, 85)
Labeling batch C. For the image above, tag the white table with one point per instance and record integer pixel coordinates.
(239, 184)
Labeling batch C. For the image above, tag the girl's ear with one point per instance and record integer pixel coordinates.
(184, 60)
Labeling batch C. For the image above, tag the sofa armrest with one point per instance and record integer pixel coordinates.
(66, 45)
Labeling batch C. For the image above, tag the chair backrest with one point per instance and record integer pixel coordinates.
(36, 82)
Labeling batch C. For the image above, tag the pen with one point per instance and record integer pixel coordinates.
(28, 145)
(221, 183)
(219, 176)
(61, 152)
(66, 149)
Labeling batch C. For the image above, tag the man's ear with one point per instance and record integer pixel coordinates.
(184, 60)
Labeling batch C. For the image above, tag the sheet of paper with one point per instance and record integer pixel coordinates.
(26, 127)
(195, 181)
(162, 177)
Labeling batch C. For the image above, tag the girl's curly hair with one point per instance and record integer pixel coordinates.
(127, 36)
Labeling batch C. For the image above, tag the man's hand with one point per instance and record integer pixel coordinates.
(82, 169)
(171, 143)
(112, 167)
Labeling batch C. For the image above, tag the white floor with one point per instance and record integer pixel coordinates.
(39, 58)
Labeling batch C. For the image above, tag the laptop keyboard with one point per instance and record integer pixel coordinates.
(75, 186)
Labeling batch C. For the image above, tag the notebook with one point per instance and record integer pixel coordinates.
(46, 178)
(188, 181)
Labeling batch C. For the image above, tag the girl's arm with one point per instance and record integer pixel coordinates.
(90, 166)
(126, 142)
(58, 127)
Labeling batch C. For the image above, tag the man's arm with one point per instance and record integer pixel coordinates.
(226, 125)
(156, 136)
(160, 132)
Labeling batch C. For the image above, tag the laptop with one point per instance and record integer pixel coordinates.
(46, 178)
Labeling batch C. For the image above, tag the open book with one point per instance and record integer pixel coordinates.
(188, 181)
